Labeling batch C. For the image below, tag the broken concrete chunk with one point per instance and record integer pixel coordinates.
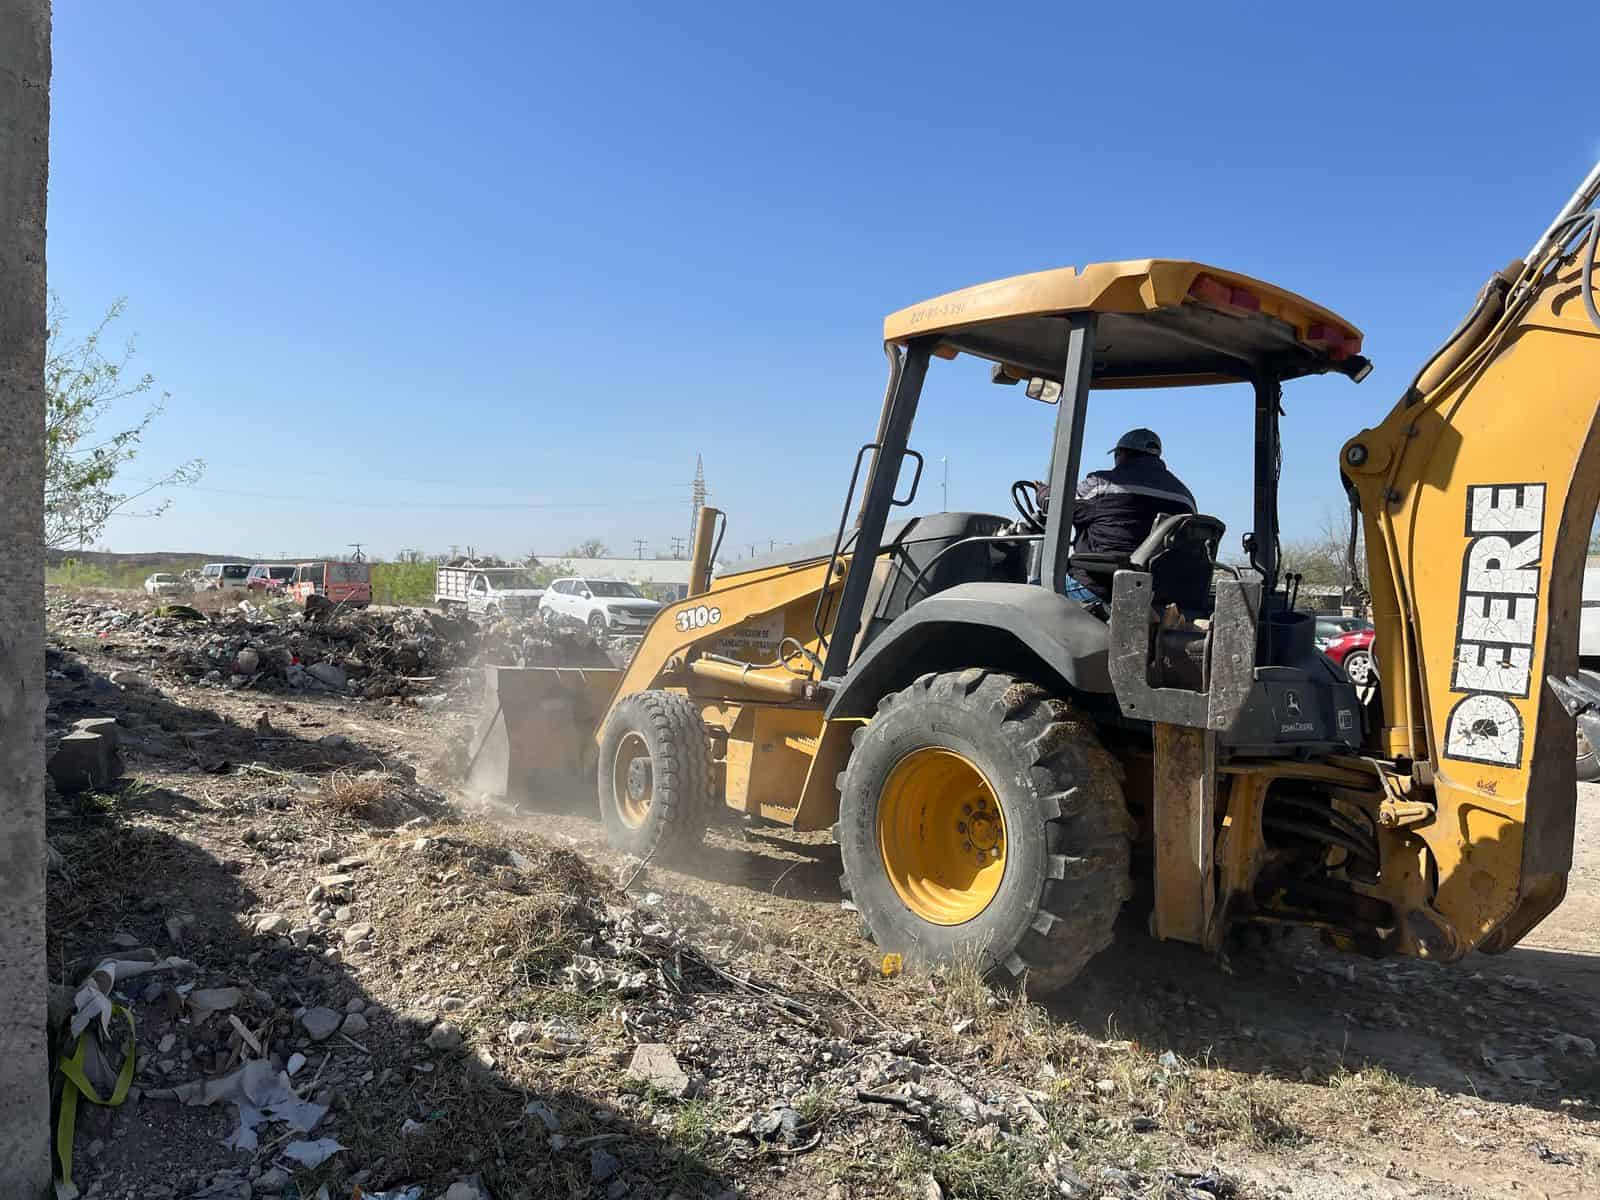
(272, 924)
(84, 761)
(357, 933)
(654, 1064)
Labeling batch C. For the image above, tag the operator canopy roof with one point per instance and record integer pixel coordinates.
(1162, 323)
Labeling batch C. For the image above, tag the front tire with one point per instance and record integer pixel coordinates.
(655, 774)
(979, 816)
(1360, 666)
(597, 627)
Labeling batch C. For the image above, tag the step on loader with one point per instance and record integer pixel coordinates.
(1000, 761)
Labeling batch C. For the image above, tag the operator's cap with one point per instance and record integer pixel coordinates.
(1145, 441)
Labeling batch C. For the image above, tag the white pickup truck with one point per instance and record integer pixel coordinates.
(487, 592)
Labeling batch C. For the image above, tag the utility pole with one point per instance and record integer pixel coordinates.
(24, 172)
(638, 546)
(357, 556)
(677, 547)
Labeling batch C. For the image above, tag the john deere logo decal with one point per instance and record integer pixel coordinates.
(1499, 623)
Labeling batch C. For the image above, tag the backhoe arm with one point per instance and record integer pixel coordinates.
(1477, 496)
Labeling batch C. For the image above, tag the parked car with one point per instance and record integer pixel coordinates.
(269, 577)
(1330, 627)
(346, 584)
(223, 577)
(602, 606)
(1353, 652)
(486, 591)
(163, 584)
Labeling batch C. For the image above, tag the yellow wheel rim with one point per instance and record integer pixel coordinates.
(632, 780)
(942, 836)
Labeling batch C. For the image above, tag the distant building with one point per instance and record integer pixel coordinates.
(660, 578)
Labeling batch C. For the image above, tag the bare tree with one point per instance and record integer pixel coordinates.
(1324, 559)
(24, 170)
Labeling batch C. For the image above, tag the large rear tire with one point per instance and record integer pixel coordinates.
(981, 818)
(655, 774)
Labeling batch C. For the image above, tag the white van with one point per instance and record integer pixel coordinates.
(223, 577)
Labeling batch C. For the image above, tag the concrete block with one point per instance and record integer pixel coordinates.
(84, 761)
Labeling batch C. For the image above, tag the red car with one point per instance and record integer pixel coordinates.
(269, 577)
(1350, 645)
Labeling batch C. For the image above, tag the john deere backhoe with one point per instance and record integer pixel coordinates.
(1000, 763)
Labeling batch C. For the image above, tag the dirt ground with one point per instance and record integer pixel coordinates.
(1286, 1070)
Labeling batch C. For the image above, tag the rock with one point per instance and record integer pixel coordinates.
(464, 1189)
(124, 941)
(602, 1165)
(1568, 1043)
(272, 924)
(330, 883)
(300, 936)
(780, 1124)
(319, 1023)
(128, 679)
(178, 926)
(247, 662)
(344, 914)
(168, 1041)
(444, 1036)
(272, 1180)
(931, 1190)
(84, 761)
(333, 741)
(296, 1061)
(546, 1114)
(519, 1032)
(452, 1004)
(204, 1001)
(314, 896)
(654, 1064)
(1144, 1125)
(357, 933)
(328, 674)
(1106, 1087)
(354, 1025)
(355, 1004)
(333, 955)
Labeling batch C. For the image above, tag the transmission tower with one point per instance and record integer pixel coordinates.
(697, 496)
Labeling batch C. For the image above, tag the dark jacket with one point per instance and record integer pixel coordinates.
(1115, 509)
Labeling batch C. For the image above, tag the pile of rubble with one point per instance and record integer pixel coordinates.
(274, 647)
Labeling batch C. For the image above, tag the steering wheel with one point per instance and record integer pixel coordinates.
(1025, 496)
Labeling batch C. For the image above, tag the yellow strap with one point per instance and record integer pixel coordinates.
(77, 1081)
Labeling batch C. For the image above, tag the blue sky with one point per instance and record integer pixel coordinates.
(418, 279)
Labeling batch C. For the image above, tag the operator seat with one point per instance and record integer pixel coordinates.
(1179, 552)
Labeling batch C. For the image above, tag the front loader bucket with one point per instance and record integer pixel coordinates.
(536, 741)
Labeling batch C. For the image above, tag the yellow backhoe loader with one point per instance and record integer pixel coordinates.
(1000, 762)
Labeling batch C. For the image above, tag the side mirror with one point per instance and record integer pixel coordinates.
(1046, 391)
(587, 594)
